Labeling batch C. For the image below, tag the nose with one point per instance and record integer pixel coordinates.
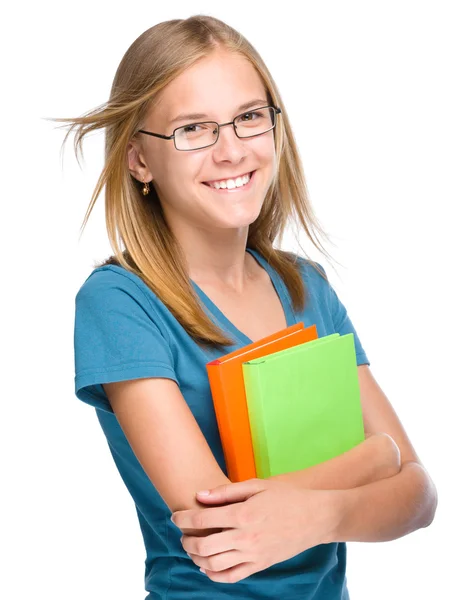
(228, 145)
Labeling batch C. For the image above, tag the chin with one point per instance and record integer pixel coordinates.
(240, 219)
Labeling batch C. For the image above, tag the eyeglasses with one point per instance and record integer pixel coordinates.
(200, 135)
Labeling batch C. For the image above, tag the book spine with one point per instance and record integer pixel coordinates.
(217, 388)
(254, 394)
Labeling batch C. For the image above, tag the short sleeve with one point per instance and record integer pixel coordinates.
(117, 336)
(342, 323)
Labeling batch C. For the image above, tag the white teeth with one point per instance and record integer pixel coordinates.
(229, 184)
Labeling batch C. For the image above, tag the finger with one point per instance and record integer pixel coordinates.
(211, 544)
(213, 497)
(218, 562)
(206, 518)
(234, 574)
(232, 492)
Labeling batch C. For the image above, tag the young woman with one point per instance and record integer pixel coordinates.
(201, 175)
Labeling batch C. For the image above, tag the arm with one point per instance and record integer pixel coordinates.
(389, 509)
(166, 440)
(377, 457)
(386, 510)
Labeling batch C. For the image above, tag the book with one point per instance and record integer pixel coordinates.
(303, 404)
(229, 396)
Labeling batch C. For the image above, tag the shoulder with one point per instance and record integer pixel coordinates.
(311, 270)
(112, 294)
(112, 281)
(316, 282)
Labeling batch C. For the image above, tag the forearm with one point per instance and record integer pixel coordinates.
(388, 509)
(373, 459)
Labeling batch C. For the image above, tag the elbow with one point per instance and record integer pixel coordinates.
(430, 499)
(432, 504)
(427, 498)
(392, 455)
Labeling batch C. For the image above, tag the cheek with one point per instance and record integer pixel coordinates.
(168, 174)
(265, 156)
(265, 149)
(183, 169)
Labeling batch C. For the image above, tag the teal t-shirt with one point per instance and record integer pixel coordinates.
(123, 331)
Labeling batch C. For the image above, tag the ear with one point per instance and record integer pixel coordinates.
(136, 162)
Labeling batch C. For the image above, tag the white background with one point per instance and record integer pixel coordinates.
(380, 98)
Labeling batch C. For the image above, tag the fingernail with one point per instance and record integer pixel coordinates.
(202, 571)
(204, 493)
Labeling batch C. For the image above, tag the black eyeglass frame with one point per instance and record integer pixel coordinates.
(173, 136)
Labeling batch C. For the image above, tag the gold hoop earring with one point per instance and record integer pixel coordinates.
(145, 188)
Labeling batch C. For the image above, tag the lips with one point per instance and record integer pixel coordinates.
(234, 178)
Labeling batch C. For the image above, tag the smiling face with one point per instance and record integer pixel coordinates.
(217, 86)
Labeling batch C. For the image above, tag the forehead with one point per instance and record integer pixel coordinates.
(215, 86)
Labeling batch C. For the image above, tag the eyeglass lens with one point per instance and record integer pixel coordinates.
(248, 124)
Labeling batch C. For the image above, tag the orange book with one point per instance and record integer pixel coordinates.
(229, 397)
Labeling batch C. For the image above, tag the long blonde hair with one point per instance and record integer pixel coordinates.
(150, 250)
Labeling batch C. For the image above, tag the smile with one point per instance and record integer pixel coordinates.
(245, 184)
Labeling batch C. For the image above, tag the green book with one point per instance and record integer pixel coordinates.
(303, 404)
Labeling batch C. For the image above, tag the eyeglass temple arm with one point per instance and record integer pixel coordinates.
(158, 135)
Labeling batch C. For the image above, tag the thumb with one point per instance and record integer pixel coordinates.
(232, 492)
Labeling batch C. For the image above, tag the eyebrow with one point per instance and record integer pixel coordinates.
(191, 116)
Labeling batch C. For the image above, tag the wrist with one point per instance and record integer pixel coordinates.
(339, 503)
(326, 511)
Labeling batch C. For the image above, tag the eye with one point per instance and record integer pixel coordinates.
(188, 128)
(252, 113)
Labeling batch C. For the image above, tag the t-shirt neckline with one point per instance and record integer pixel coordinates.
(279, 286)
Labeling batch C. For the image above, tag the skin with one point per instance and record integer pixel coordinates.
(211, 228)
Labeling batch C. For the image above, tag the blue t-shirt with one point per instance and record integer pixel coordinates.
(123, 331)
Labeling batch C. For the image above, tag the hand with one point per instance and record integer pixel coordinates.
(267, 522)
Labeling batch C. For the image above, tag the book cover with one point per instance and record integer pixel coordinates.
(303, 404)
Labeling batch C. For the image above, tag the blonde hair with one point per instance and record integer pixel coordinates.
(151, 251)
